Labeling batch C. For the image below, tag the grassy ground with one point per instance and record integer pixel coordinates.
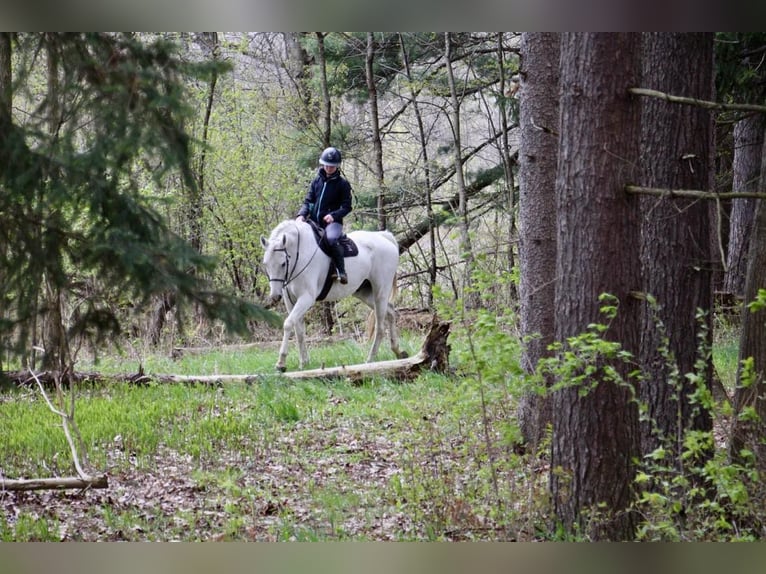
(275, 460)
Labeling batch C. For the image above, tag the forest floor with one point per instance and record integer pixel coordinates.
(282, 460)
(431, 459)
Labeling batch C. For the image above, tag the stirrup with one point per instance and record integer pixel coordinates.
(340, 276)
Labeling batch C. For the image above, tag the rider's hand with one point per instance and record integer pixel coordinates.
(328, 218)
(300, 218)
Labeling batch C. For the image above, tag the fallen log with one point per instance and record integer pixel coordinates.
(63, 483)
(433, 355)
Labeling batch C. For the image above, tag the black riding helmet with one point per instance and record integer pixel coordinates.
(330, 156)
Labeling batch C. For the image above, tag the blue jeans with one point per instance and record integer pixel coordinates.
(332, 233)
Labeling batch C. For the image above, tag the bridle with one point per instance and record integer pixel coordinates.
(291, 275)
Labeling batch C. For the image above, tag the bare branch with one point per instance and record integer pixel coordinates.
(695, 102)
(697, 194)
(66, 420)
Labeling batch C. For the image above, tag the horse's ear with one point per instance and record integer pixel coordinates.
(264, 241)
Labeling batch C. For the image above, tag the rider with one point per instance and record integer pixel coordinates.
(327, 202)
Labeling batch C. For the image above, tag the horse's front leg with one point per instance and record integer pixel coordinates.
(300, 337)
(294, 322)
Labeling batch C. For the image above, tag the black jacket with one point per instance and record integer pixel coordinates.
(327, 195)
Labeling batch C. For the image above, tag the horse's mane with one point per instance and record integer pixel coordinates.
(282, 228)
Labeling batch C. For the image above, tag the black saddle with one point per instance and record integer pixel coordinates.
(349, 247)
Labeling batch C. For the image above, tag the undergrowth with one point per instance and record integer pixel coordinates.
(436, 458)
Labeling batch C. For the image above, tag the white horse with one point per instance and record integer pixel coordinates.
(297, 270)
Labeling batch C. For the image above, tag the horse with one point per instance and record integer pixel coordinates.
(297, 269)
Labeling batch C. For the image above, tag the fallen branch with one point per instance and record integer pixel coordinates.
(67, 421)
(63, 483)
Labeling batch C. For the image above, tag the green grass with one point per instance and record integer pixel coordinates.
(282, 460)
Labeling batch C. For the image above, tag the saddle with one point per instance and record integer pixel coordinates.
(349, 247)
(349, 250)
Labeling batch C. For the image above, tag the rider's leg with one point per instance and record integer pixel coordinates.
(333, 233)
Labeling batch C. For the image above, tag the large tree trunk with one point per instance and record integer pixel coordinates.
(6, 88)
(595, 433)
(6, 109)
(750, 432)
(676, 152)
(748, 142)
(539, 118)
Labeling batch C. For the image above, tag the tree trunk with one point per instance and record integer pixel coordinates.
(750, 431)
(470, 298)
(326, 308)
(377, 145)
(6, 87)
(326, 101)
(539, 118)
(748, 142)
(507, 91)
(6, 110)
(595, 438)
(676, 259)
(211, 45)
(426, 174)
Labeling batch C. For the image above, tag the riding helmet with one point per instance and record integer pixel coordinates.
(330, 156)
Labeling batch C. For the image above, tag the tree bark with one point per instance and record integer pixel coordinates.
(595, 438)
(6, 77)
(676, 258)
(749, 432)
(748, 143)
(539, 118)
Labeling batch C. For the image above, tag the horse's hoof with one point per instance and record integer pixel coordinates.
(403, 354)
(281, 369)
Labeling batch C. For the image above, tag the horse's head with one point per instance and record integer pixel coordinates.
(276, 263)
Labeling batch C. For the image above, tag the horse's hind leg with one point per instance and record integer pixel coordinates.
(394, 333)
(378, 306)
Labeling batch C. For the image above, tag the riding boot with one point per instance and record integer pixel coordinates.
(339, 262)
